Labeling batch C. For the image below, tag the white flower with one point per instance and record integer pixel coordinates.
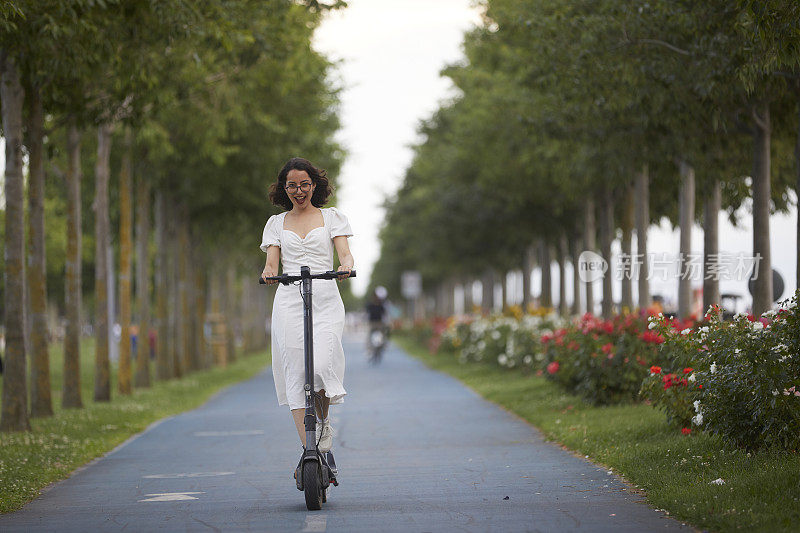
(697, 419)
(737, 350)
(527, 359)
(713, 367)
(718, 481)
(775, 392)
(696, 406)
(651, 325)
(769, 314)
(757, 326)
(692, 378)
(686, 331)
(495, 334)
(502, 359)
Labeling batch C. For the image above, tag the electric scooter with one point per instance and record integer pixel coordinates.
(317, 470)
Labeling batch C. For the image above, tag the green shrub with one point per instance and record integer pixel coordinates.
(748, 376)
(604, 361)
(505, 341)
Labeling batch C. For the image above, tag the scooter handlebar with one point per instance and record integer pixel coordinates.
(287, 278)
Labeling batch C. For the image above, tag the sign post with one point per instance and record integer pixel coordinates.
(411, 288)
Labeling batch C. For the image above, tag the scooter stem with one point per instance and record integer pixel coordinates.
(310, 418)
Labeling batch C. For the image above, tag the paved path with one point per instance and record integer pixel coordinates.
(417, 452)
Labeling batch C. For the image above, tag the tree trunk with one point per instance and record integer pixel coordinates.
(546, 297)
(527, 269)
(711, 209)
(642, 223)
(200, 312)
(686, 221)
(589, 233)
(575, 247)
(504, 300)
(563, 252)
(487, 288)
(627, 249)
(71, 393)
(163, 353)
(143, 282)
(175, 318)
(218, 334)
(606, 238)
(797, 191)
(102, 376)
(14, 416)
(125, 254)
(41, 402)
(762, 163)
(187, 362)
(230, 311)
(469, 303)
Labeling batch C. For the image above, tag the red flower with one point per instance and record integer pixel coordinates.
(608, 327)
(546, 338)
(655, 369)
(607, 347)
(651, 337)
(688, 370)
(573, 345)
(552, 368)
(686, 431)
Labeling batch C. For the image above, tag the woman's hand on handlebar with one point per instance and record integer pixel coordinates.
(344, 268)
(269, 272)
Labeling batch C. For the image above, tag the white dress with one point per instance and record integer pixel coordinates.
(316, 252)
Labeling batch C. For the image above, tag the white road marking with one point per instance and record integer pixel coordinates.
(171, 497)
(190, 474)
(316, 523)
(240, 433)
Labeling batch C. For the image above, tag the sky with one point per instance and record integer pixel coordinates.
(389, 54)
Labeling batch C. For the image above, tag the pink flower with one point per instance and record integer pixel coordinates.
(552, 368)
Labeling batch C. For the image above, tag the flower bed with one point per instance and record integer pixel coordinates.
(604, 361)
(506, 341)
(746, 382)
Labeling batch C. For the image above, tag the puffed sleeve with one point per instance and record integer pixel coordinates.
(339, 224)
(272, 233)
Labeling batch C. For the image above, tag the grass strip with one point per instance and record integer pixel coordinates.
(58, 445)
(761, 490)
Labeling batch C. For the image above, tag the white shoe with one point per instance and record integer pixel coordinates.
(325, 435)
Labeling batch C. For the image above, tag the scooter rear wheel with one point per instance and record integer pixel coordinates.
(312, 485)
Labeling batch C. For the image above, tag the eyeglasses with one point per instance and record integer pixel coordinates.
(305, 187)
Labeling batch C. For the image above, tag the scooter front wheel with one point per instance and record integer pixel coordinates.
(312, 485)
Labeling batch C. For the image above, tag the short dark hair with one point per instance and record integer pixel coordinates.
(322, 190)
